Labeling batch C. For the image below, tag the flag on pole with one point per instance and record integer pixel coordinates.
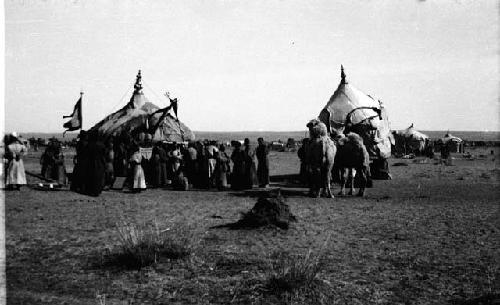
(76, 117)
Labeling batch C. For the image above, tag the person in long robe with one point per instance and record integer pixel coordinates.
(109, 157)
(96, 165)
(80, 162)
(191, 162)
(250, 172)
(16, 177)
(59, 169)
(262, 153)
(156, 170)
(238, 174)
(222, 168)
(203, 167)
(211, 151)
(304, 169)
(47, 161)
(139, 180)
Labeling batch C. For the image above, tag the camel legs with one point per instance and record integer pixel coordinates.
(352, 174)
(326, 180)
(364, 180)
(343, 178)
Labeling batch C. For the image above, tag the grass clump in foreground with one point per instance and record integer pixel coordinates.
(295, 279)
(143, 245)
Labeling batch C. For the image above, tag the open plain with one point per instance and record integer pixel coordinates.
(431, 235)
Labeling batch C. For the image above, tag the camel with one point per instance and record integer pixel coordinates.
(351, 158)
(320, 155)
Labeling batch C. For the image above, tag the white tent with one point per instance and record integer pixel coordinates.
(349, 109)
(410, 140)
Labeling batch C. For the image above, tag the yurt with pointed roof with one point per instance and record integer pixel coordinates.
(351, 110)
(454, 144)
(410, 140)
(141, 118)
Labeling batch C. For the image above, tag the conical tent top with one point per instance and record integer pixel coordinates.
(138, 82)
(342, 75)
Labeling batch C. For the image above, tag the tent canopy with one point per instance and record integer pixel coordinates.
(140, 115)
(349, 109)
(449, 137)
(411, 132)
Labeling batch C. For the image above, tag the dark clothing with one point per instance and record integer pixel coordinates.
(262, 153)
(238, 174)
(250, 177)
(192, 165)
(159, 167)
(120, 160)
(96, 168)
(47, 161)
(80, 168)
(304, 171)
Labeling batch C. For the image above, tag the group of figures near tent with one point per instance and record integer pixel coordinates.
(202, 165)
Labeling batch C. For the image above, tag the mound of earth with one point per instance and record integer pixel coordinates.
(267, 211)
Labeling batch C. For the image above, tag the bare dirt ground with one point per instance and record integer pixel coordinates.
(429, 236)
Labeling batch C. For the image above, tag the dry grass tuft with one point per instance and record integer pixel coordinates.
(295, 278)
(144, 245)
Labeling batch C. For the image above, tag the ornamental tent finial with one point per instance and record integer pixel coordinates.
(138, 82)
(342, 75)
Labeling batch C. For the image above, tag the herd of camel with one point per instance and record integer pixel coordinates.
(347, 153)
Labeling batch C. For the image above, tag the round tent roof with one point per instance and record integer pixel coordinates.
(141, 115)
(449, 137)
(349, 106)
(413, 133)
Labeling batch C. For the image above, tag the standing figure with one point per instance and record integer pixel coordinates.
(304, 168)
(222, 167)
(80, 161)
(191, 159)
(96, 165)
(238, 174)
(250, 175)
(211, 151)
(15, 166)
(203, 167)
(262, 153)
(163, 164)
(139, 180)
(59, 167)
(47, 161)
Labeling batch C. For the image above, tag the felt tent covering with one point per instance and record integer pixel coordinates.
(139, 115)
(410, 140)
(349, 109)
(453, 143)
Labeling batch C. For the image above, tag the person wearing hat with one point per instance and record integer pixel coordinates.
(15, 150)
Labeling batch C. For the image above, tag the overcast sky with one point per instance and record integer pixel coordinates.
(253, 65)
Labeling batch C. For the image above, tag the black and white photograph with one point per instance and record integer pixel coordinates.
(286, 152)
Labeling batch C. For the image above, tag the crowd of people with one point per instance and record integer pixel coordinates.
(143, 164)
